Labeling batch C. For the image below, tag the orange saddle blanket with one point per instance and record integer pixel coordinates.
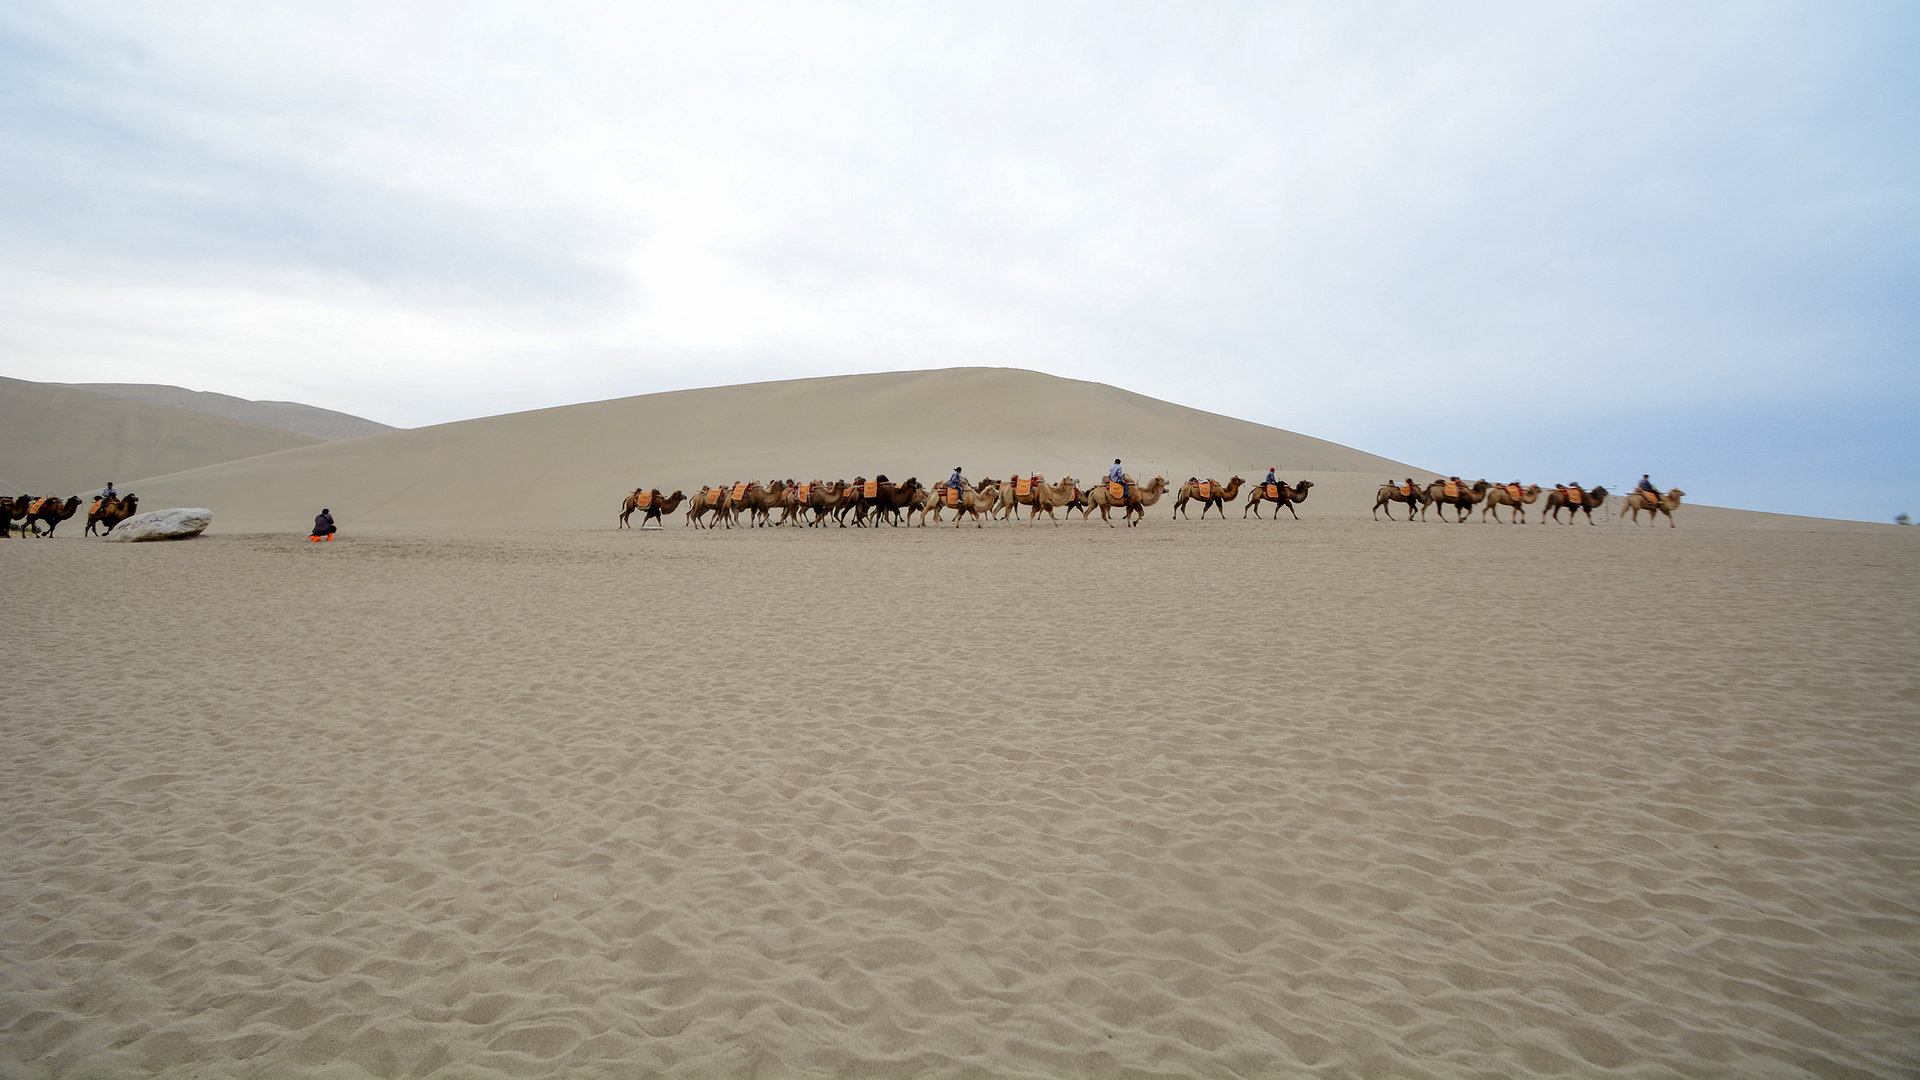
(951, 495)
(643, 500)
(1273, 491)
(1576, 497)
(803, 491)
(739, 492)
(1453, 490)
(1116, 491)
(1407, 490)
(713, 496)
(1023, 487)
(1203, 490)
(873, 488)
(1514, 490)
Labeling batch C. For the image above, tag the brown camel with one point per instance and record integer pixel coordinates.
(1513, 495)
(1282, 494)
(1211, 494)
(1012, 498)
(1133, 504)
(640, 499)
(1409, 492)
(1654, 505)
(1575, 501)
(112, 511)
(1462, 498)
(714, 502)
(662, 507)
(10, 509)
(50, 510)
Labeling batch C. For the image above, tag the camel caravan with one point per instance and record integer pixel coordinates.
(1573, 499)
(27, 513)
(869, 503)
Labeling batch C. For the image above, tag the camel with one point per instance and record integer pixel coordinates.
(1575, 501)
(752, 500)
(1211, 495)
(1410, 493)
(1509, 495)
(978, 501)
(1462, 501)
(1654, 505)
(1289, 494)
(641, 499)
(1139, 497)
(1047, 496)
(11, 508)
(711, 500)
(50, 510)
(886, 502)
(1011, 500)
(111, 511)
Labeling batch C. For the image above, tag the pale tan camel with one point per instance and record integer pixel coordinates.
(978, 501)
(1654, 505)
(1135, 504)
(1210, 493)
(1048, 496)
(1512, 495)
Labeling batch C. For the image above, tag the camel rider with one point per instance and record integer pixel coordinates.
(323, 524)
(1118, 475)
(107, 493)
(957, 481)
(1646, 486)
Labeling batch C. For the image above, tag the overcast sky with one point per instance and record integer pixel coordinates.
(1553, 241)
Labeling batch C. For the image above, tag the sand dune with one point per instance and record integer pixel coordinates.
(569, 467)
(285, 415)
(57, 440)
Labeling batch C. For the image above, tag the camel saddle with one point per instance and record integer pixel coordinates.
(713, 496)
(951, 495)
(802, 491)
(1023, 487)
(1273, 491)
(1203, 490)
(1116, 491)
(1576, 497)
(872, 489)
(1514, 490)
(1407, 490)
(643, 500)
(1453, 490)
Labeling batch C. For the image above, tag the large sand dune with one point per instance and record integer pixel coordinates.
(285, 415)
(58, 440)
(570, 466)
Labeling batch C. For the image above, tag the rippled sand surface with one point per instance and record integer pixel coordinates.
(1325, 798)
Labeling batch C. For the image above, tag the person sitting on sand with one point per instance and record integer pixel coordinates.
(323, 525)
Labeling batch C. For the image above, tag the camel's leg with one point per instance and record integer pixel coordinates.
(1290, 510)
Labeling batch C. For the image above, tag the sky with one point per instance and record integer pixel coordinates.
(1546, 241)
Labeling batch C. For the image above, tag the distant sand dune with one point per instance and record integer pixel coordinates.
(285, 415)
(57, 440)
(569, 467)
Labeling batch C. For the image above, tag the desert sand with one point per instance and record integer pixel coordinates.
(1327, 797)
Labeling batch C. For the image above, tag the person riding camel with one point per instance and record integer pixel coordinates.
(1646, 485)
(1117, 475)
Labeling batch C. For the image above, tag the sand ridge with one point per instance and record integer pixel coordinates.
(1324, 798)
